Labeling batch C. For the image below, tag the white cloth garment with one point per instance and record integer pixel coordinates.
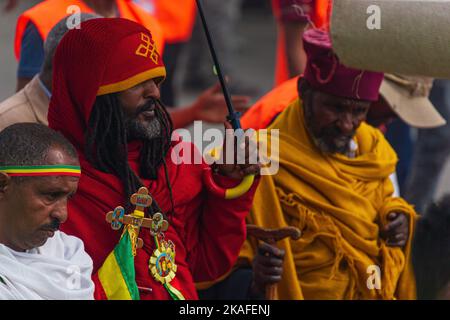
(353, 149)
(59, 270)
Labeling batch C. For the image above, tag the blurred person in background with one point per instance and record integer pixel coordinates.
(30, 104)
(34, 25)
(223, 19)
(431, 251)
(293, 17)
(431, 152)
(177, 19)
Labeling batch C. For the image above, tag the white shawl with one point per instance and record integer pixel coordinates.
(59, 270)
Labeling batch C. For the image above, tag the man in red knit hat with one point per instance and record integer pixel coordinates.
(106, 102)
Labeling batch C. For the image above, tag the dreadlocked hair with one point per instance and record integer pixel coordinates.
(106, 146)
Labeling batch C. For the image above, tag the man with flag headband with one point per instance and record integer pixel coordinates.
(106, 102)
(334, 185)
(39, 171)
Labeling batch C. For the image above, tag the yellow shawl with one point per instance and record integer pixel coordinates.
(338, 203)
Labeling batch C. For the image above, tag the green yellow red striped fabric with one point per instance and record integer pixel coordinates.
(39, 171)
(117, 274)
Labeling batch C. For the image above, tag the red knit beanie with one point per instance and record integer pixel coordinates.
(105, 55)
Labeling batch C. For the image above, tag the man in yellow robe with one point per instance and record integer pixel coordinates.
(334, 185)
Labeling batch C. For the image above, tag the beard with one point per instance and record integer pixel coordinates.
(328, 140)
(138, 129)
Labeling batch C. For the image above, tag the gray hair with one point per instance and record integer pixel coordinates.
(56, 34)
(28, 144)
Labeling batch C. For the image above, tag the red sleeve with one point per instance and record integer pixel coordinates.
(221, 232)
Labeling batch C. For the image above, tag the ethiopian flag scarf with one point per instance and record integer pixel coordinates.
(117, 275)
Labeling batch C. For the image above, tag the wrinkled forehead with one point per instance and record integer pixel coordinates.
(55, 184)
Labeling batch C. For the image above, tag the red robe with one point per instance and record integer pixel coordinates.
(207, 231)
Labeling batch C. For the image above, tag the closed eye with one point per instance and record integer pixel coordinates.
(54, 196)
(360, 110)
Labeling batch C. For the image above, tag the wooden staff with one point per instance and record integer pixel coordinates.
(272, 236)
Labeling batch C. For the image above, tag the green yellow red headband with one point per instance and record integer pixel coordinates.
(42, 171)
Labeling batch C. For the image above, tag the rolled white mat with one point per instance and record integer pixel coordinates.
(410, 37)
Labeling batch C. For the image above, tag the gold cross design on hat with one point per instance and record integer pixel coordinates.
(141, 200)
(147, 48)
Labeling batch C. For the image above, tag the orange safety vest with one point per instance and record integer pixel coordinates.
(263, 112)
(47, 14)
(320, 17)
(177, 19)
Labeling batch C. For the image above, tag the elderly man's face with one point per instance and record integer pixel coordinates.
(138, 104)
(332, 121)
(32, 210)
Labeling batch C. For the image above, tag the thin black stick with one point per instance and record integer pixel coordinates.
(233, 116)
